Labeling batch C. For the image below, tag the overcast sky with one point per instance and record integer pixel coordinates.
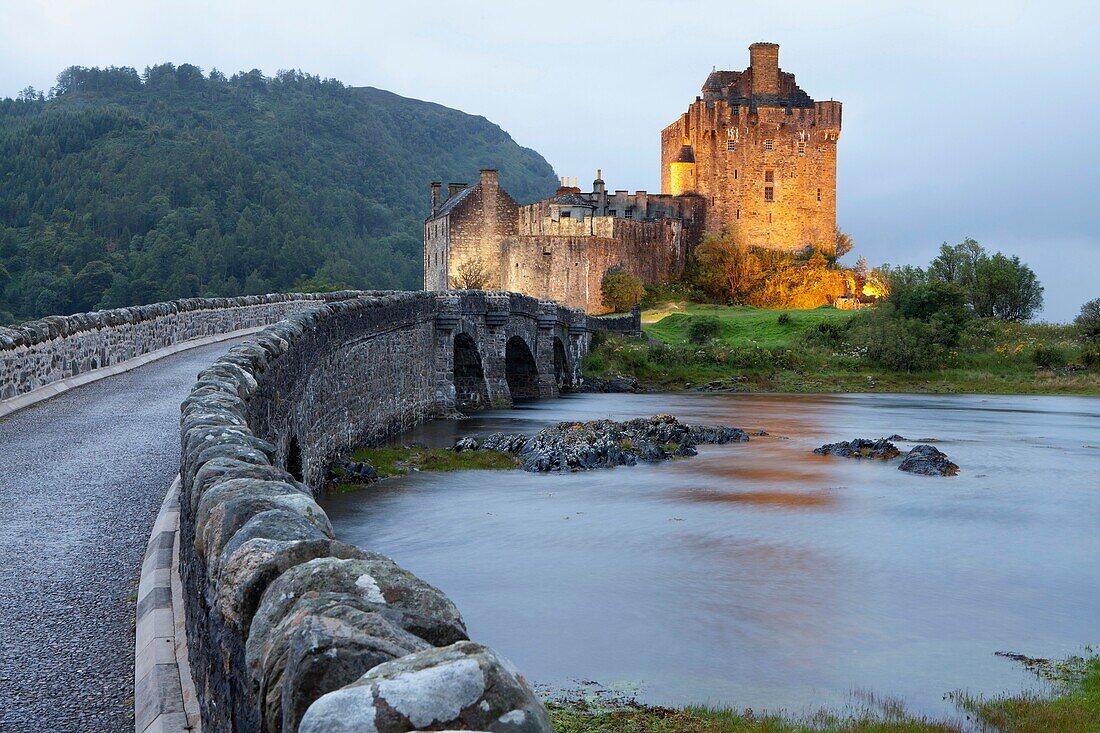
(961, 119)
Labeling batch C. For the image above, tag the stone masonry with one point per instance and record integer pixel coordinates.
(753, 153)
(761, 152)
(288, 628)
(37, 353)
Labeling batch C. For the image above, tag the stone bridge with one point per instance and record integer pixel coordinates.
(286, 627)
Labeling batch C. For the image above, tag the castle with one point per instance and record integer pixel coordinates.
(753, 153)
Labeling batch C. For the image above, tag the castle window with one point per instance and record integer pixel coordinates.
(769, 145)
(819, 194)
(769, 193)
(769, 176)
(738, 214)
(731, 145)
(567, 215)
(735, 174)
(801, 147)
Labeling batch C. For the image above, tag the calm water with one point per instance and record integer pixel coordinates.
(758, 574)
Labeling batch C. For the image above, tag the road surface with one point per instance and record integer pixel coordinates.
(82, 476)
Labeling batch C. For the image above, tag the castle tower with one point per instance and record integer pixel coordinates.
(682, 171)
(762, 154)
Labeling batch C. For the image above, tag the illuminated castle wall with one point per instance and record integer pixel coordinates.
(761, 152)
(753, 152)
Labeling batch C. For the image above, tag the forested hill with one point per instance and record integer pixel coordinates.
(123, 188)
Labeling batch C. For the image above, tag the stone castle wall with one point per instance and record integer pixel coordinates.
(570, 268)
(801, 163)
(38, 353)
(288, 628)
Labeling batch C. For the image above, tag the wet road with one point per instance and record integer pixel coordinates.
(81, 478)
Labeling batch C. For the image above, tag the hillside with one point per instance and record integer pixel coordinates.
(123, 188)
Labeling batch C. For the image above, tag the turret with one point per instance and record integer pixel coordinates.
(682, 171)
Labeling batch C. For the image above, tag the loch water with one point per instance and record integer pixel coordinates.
(759, 575)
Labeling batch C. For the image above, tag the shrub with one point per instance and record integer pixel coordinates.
(900, 344)
(703, 328)
(1049, 356)
(659, 293)
(1090, 357)
(621, 291)
(599, 338)
(940, 304)
(784, 319)
(1088, 320)
(826, 333)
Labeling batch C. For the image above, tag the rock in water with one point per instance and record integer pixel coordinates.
(505, 442)
(356, 472)
(603, 443)
(463, 444)
(927, 460)
(860, 448)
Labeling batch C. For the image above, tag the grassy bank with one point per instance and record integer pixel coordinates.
(1072, 705)
(819, 351)
(402, 460)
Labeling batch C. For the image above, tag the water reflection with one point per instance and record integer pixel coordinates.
(758, 574)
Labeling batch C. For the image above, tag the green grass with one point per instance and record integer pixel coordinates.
(755, 352)
(1072, 706)
(398, 461)
(741, 325)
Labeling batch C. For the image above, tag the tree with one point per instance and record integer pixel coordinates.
(843, 244)
(471, 274)
(958, 263)
(201, 184)
(996, 286)
(1006, 288)
(621, 291)
(90, 284)
(726, 269)
(1088, 320)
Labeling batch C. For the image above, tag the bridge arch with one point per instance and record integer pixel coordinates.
(563, 375)
(520, 369)
(471, 389)
(294, 458)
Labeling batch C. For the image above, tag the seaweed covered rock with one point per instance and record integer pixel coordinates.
(928, 460)
(505, 442)
(860, 448)
(581, 446)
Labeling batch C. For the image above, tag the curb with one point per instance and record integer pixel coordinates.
(61, 386)
(164, 694)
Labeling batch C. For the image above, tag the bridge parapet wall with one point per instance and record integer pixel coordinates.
(288, 628)
(38, 353)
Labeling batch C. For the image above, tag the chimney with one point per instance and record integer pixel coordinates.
(765, 68)
(490, 177)
(436, 185)
(453, 188)
(599, 188)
